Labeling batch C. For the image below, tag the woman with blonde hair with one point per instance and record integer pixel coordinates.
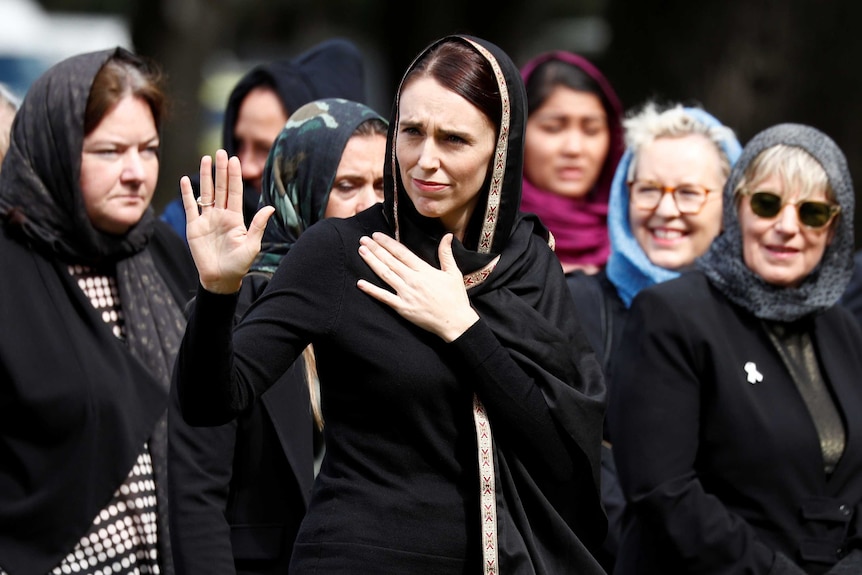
(8, 107)
(735, 405)
(665, 211)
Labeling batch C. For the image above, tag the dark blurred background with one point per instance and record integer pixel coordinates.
(751, 63)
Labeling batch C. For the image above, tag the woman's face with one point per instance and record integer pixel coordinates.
(260, 118)
(670, 239)
(567, 142)
(444, 148)
(120, 166)
(358, 181)
(781, 250)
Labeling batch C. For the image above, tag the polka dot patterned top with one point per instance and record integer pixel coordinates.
(123, 537)
(102, 291)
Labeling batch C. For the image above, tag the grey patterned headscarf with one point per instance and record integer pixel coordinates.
(300, 171)
(40, 195)
(42, 208)
(724, 265)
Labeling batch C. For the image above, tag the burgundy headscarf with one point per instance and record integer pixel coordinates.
(579, 225)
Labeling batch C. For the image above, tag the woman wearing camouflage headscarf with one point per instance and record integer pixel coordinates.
(256, 472)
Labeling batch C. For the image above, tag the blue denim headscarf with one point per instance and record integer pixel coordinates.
(629, 269)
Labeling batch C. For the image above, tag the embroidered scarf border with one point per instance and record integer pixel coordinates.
(485, 444)
(492, 209)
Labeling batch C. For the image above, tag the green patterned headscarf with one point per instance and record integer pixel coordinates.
(300, 171)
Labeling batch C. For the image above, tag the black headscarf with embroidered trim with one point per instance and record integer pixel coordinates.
(516, 284)
(76, 404)
(723, 264)
(494, 218)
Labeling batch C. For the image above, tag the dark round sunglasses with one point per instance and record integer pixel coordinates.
(811, 213)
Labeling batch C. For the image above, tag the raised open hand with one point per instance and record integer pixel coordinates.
(435, 300)
(221, 246)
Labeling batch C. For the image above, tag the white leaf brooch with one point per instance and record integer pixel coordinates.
(754, 376)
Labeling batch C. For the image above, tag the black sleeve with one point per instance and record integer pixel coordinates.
(219, 370)
(852, 298)
(543, 390)
(513, 399)
(590, 308)
(536, 373)
(200, 469)
(200, 465)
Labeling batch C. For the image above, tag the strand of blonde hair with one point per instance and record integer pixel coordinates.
(313, 385)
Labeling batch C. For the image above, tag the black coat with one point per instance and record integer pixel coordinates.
(56, 328)
(600, 310)
(239, 491)
(722, 470)
(852, 298)
(399, 488)
(602, 314)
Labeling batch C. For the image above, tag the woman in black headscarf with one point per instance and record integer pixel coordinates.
(92, 312)
(331, 69)
(437, 318)
(735, 415)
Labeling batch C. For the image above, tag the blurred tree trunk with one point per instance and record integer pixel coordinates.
(408, 27)
(180, 35)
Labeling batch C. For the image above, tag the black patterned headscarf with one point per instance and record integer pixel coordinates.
(300, 171)
(40, 195)
(39, 183)
(724, 264)
(42, 208)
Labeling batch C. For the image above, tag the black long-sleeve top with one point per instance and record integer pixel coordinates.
(399, 487)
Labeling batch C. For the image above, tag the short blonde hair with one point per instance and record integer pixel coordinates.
(651, 122)
(797, 169)
(8, 99)
(8, 108)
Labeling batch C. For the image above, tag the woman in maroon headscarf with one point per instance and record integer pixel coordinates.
(573, 144)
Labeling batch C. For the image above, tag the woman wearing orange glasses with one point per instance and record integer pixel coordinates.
(735, 415)
(664, 211)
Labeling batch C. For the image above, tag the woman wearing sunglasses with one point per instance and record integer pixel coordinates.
(735, 416)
